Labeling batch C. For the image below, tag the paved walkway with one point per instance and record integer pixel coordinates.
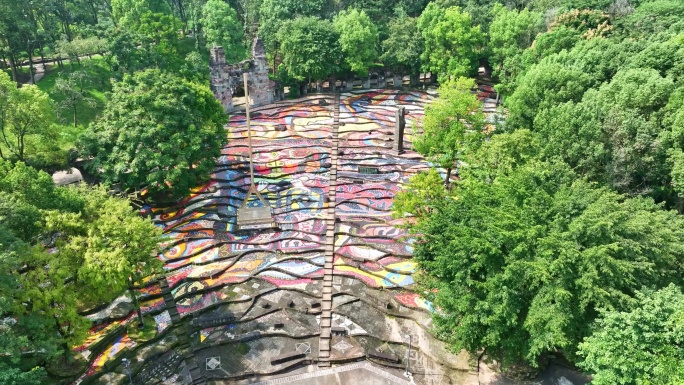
(326, 308)
(38, 73)
(357, 373)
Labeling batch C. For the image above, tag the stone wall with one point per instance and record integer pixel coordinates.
(226, 78)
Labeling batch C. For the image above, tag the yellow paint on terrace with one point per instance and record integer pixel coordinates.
(210, 269)
(405, 267)
(359, 127)
(356, 272)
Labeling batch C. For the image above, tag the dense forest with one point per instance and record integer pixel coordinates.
(561, 234)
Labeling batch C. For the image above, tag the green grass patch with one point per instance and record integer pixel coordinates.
(243, 348)
(99, 85)
(148, 332)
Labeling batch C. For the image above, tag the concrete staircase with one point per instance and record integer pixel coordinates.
(326, 303)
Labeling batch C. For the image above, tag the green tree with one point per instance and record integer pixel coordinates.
(16, 376)
(418, 197)
(195, 68)
(510, 33)
(451, 124)
(452, 43)
(124, 51)
(522, 263)
(614, 135)
(160, 39)
(158, 132)
(652, 17)
(642, 345)
(83, 248)
(543, 86)
(222, 28)
(12, 338)
(112, 245)
(358, 39)
(26, 119)
(73, 89)
(500, 154)
(310, 48)
(274, 14)
(548, 44)
(128, 13)
(402, 49)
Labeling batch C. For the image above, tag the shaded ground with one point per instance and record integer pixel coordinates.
(552, 375)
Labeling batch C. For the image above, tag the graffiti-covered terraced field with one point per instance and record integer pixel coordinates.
(232, 302)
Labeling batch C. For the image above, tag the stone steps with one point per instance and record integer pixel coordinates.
(326, 305)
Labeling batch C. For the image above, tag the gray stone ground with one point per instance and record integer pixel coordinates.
(351, 374)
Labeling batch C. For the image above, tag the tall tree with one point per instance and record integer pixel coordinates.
(111, 243)
(161, 39)
(522, 263)
(451, 123)
(310, 48)
(128, 13)
(510, 33)
(544, 86)
(81, 248)
(222, 28)
(73, 90)
(452, 43)
(358, 39)
(402, 49)
(642, 345)
(26, 118)
(158, 132)
(614, 135)
(419, 196)
(273, 14)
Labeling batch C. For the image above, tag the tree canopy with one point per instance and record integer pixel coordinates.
(222, 28)
(310, 48)
(451, 41)
(523, 263)
(159, 132)
(358, 39)
(62, 250)
(26, 116)
(450, 123)
(556, 235)
(640, 345)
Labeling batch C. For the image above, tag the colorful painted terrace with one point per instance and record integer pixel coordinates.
(240, 306)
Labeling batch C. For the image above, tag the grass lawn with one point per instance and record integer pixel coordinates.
(68, 134)
(148, 332)
(99, 85)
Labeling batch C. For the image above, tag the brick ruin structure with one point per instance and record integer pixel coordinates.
(226, 78)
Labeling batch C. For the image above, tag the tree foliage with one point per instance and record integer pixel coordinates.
(523, 263)
(159, 132)
(418, 197)
(222, 28)
(129, 13)
(26, 116)
(310, 48)
(510, 33)
(451, 123)
(62, 251)
(73, 89)
(358, 39)
(274, 14)
(404, 45)
(452, 43)
(641, 345)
